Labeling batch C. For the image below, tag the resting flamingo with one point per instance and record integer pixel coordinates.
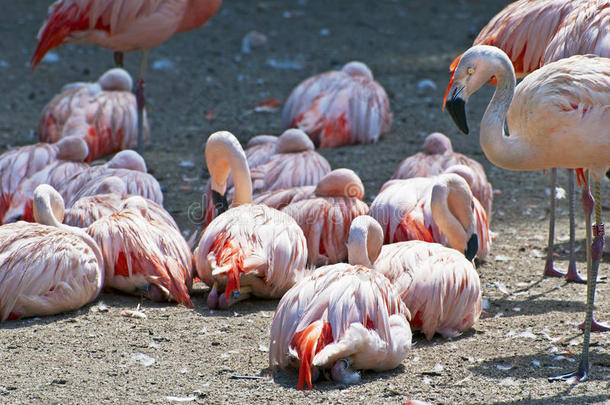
(144, 254)
(121, 26)
(18, 164)
(438, 209)
(342, 318)
(324, 212)
(293, 162)
(534, 33)
(339, 107)
(46, 267)
(103, 113)
(250, 248)
(438, 155)
(557, 117)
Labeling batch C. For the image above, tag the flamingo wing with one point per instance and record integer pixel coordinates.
(283, 197)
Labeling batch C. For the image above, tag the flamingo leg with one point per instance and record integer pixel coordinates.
(238, 295)
(118, 59)
(572, 274)
(141, 100)
(549, 268)
(597, 246)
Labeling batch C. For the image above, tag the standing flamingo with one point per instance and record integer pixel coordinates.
(46, 267)
(250, 248)
(433, 209)
(142, 253)
(324, 212)
(121, 26)
(292, 162)
(342, 318)
(533, 33)
(438, 155)
(557, 117)
(103, 113)
(339, 107)
(18, 164)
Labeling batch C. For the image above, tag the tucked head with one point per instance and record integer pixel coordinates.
(437, 144)
(292, 141)
(356, 68)
(128, 159)
(116, 79)
(340, 183)
(48, 205)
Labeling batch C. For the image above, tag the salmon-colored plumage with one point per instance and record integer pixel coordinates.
(437, 157)
(324, 212)
(103, 113)
(46, 267)
(120, 25)
(18, 164)
(142, 253)
(438, 209)
(339, 107)
(342, 318)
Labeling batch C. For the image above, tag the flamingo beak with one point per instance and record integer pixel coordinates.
(457, 109)
(220, 202)
(472, 247)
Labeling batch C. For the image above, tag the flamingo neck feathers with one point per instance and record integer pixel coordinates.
(223, 153)
(451, 203)
(364, 242)
(504, 150)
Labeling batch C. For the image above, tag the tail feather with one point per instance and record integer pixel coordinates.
(229, 257)
(308, 343)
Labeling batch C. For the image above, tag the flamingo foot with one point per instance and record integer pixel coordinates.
(213, 297)
(572, 274)
(340, 372)
(156, 294)
(237, 295)
(596, 326)
(580, 375)
(549, 270)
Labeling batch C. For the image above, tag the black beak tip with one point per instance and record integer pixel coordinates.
(457, 109)
(220, 202)
(472, 247)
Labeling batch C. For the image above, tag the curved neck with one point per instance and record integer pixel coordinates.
(502, 150)
(223, 153)
(451, 204)
(364, 242)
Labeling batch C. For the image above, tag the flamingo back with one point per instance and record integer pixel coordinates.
(45, 271)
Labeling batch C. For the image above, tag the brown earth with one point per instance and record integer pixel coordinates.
(93, 355)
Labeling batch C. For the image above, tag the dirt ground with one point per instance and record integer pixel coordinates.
(193, 354)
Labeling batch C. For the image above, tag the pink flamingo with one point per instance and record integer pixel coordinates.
(18, 164)
(46, 267)
(339, 107)
(342, 318)
(324, 212)
(437, 209)
(438, 156)
(534, 33)
(288, 161)
(250, 248)
(121, 26)
(143, 253)
(103, 113)
(557, 117)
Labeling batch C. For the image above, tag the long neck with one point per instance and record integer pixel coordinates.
(223, 153)
(450, 210)
(503, 151)
(364, 242)
(241, 179)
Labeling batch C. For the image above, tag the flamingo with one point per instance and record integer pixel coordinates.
(103, 113)
(288, 161)
(250, 248)
(18, 164)
(46, 267)
(438, 209)
(324, 212)
(143, 253)
(121, 26)
(533, 33)
(438, 155)
(557, 117)
(339, 107)
(342, 318)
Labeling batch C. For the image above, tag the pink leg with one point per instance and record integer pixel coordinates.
(549, 268)
(572, 274)
(141, 101)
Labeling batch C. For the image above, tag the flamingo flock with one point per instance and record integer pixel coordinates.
(353, 280)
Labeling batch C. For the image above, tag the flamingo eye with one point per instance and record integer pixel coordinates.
(470, 70)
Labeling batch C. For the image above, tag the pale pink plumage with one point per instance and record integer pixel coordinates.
(439, 286)
(120, 25)
(438, 209)
(103, 113)
(142, 253)
(324, 212)
(18, 164)
(438, 156)
(339, 107)
(47, 269)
